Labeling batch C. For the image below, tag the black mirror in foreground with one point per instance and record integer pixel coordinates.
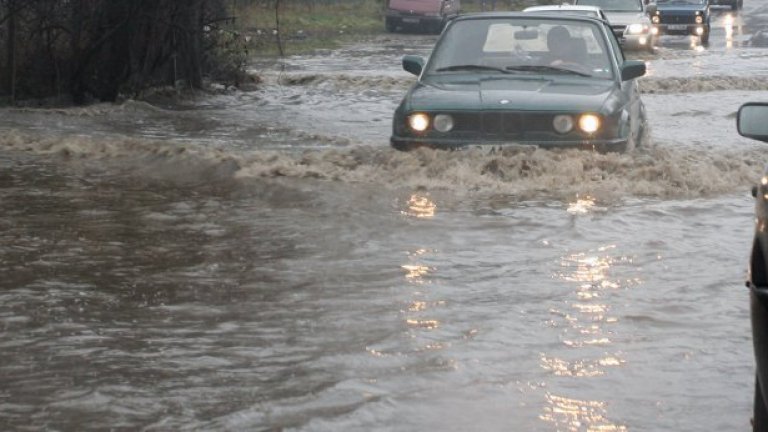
(752, 120)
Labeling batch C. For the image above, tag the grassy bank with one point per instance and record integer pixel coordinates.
(304, 26)
(312, 24)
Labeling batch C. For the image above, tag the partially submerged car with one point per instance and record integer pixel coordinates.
(629, 20)
(752, 122)
(590, 11)
(682, 17)
(425, 15)
(522, 78)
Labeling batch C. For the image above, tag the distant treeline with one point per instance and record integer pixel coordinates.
(98, 49)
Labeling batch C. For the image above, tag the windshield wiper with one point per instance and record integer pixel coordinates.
(543, 68)
(471, 67)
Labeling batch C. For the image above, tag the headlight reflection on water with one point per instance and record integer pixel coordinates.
(578, 415)
(587, 330)
(420, 206)
(581, 206)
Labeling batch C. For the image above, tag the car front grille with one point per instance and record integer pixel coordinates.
(678, 19)
(500, 126)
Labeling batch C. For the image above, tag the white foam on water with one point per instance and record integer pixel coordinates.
(522, 173)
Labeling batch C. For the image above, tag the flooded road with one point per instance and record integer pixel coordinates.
(264, 261)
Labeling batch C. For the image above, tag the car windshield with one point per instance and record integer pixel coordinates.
(614, 5)
(523, 46)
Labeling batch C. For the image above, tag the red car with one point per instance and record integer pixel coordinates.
(424, 15)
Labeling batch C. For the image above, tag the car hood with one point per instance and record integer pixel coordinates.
(625, 18)
(680, 7)
(512, 94)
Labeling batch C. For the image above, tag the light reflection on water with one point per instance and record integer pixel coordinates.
(420, 206)
(587, 331)
(578, 415)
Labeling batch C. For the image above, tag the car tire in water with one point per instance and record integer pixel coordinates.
(705, 37)
(390, 25)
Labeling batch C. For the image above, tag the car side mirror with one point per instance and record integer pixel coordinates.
(413, 64)
(752, 121)
(631, 69)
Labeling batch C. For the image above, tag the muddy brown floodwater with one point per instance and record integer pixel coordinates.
(264, 261)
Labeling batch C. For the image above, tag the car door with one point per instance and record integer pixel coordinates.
(629, 89)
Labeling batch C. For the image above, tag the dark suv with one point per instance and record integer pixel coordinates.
(682, 17)
(752, 122)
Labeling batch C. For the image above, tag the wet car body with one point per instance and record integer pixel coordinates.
(429, 15)
(629, 21)
(520, 103)
(752, 122)
(682, 17)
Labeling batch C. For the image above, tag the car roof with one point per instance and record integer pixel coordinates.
(527, 15)
(562, 7)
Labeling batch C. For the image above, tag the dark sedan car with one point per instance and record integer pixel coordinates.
(522, 78)
(752, 122)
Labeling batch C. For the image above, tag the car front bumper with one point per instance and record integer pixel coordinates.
(401, 20)
(601, 145)
(681, 29)
(637, 41)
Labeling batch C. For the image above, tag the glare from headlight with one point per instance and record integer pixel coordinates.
(443, 122)
(699, 31)
(418, 122)
(699, 19)
(635, 28)
(589, 123)
(562, 123)
(656, 19)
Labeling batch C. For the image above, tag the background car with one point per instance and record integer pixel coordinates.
(427, 15)
(591, 11)
(733, 4)
(682, 17)
(759, 38)
(629, 20)
(522, 78)
(752, 122)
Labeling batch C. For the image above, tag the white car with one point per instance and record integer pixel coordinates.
(629, 21)
(592, 11)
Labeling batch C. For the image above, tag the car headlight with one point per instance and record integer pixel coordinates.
(589, 123)
(418, 122)
(656, 19)
(562, 123)
(699, 19)
(443, 122)
(636, 28)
